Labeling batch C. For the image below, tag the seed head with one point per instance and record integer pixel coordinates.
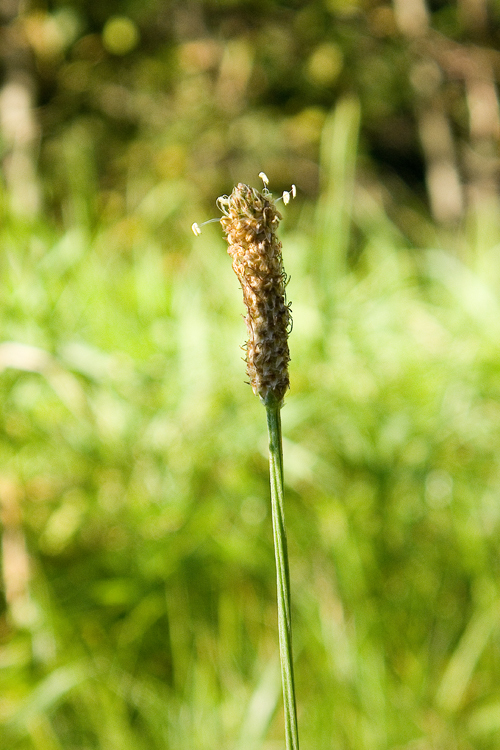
(250, 222)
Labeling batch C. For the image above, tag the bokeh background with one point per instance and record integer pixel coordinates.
(138, 606)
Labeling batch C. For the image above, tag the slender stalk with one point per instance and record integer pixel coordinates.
(282, 574)
(250, 220)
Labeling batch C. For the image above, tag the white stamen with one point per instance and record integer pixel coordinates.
(265, 179)
(197, 227)
(287, 194)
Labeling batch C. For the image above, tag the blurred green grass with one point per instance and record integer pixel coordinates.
(138, 566)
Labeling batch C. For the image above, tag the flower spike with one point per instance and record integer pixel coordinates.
(250, 222)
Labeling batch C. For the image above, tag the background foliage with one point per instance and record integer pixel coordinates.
(138, 574)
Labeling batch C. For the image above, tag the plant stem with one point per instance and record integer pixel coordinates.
(283, 577)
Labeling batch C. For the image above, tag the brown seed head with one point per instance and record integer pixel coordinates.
(250, 221)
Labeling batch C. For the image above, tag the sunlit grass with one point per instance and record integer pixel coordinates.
(137, 540)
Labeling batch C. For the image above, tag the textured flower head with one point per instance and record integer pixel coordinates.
(250, 222)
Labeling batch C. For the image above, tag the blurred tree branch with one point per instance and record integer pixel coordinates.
(18, 124)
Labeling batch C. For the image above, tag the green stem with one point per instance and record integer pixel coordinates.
(283, 577)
